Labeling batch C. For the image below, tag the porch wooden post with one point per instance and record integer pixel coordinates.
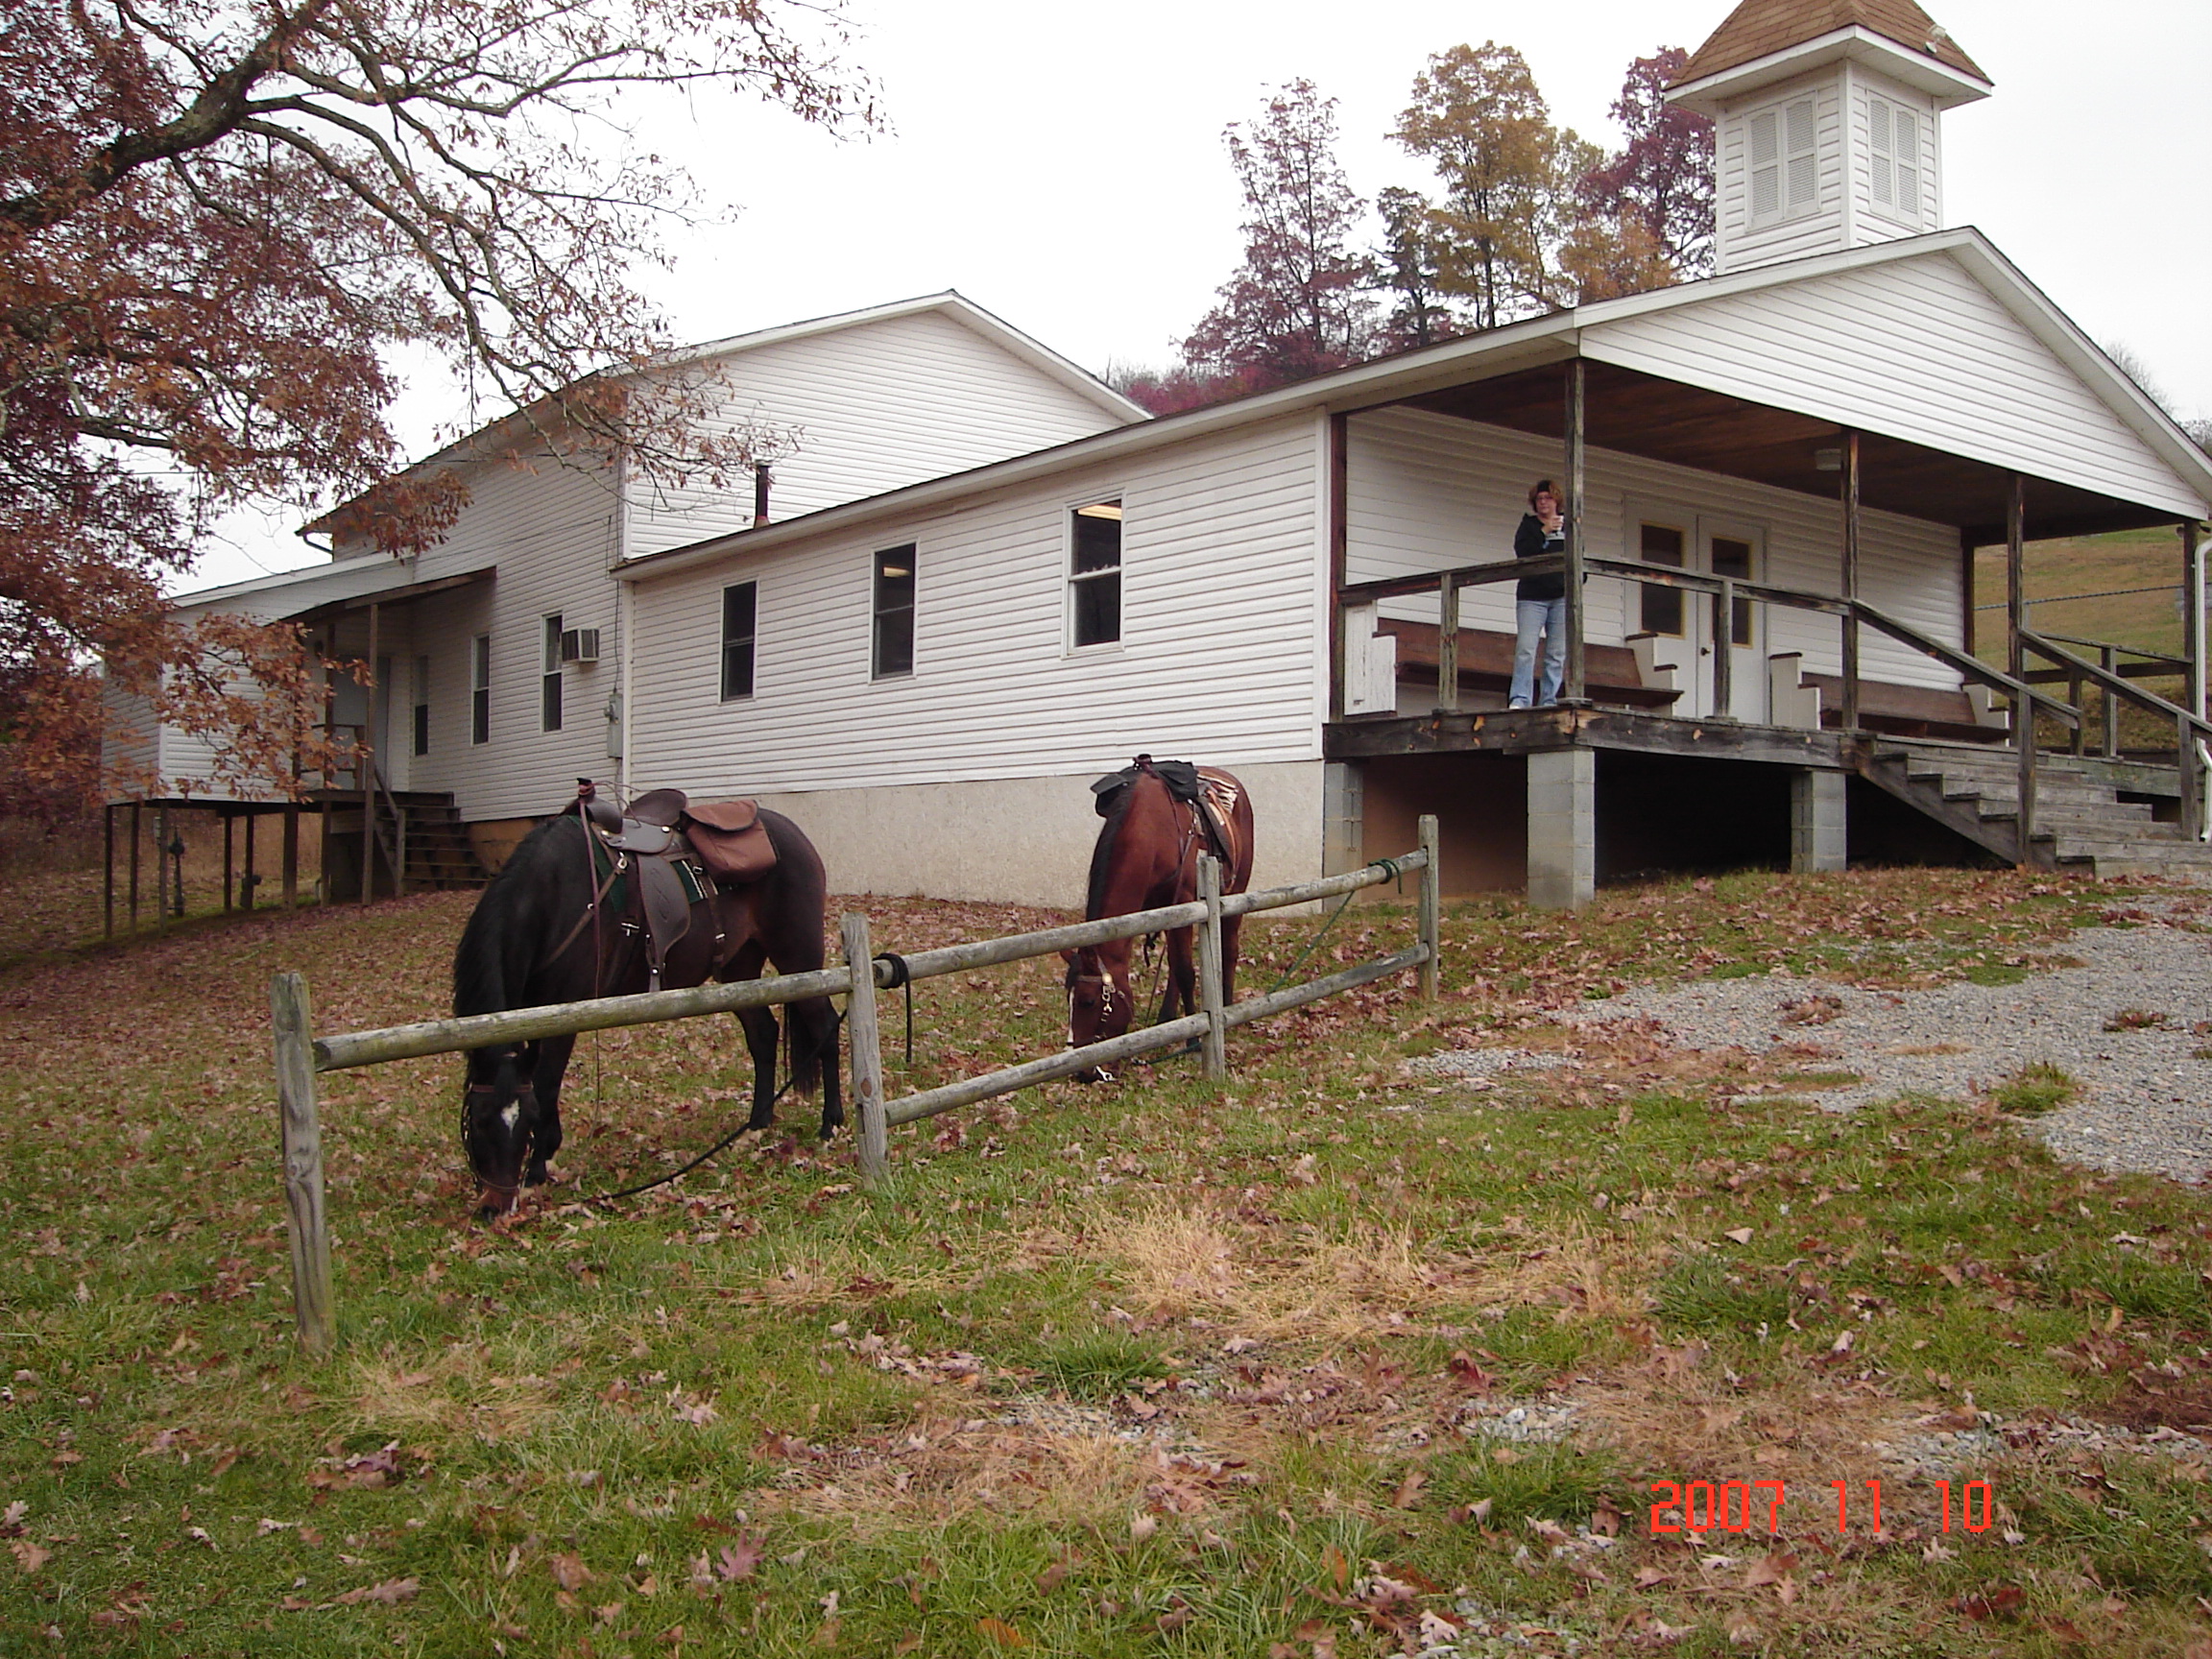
(1571, 682)
(2108, 656)
(1967, 576)
(1209, 1003)
(2073, 696)
(1447, 644)
(866, 1040)
(160, 869)
(368, 767)
(107, 866)
(1339, 553)
(2015, 563)
(1432, 909)
(2190, 777)
(2016, 657)
(246, 893)
(229, 824)
(291, 854)
(1724, 649)
(1849, 713)
(2193, 614)
(136, 836)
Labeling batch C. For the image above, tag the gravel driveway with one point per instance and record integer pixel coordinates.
(2145, 1102)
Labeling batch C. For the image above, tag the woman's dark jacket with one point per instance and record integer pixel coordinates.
(1530, 543)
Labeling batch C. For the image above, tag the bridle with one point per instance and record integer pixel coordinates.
(468, 1143)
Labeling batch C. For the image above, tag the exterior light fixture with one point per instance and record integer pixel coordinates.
(1828, 459)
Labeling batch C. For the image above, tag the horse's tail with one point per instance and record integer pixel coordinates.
(793, 926)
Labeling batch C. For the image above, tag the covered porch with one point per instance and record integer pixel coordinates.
(1708, 680)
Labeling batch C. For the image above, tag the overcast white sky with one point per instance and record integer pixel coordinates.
(1064, 168)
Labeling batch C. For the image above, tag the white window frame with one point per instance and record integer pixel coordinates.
(752, 642)
(1069, 511)
(479, 690)
(1785, 162)
(552, 687)
(1897, 181)
(878, 673)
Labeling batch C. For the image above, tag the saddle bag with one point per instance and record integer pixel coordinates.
(729, 838)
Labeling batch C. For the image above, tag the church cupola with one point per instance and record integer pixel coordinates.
(1828, 124)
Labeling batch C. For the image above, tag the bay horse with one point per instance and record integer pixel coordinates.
(1146, 856)
(534, 939)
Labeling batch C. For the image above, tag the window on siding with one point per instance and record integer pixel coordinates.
(480, 688)
(421, 705)
(1095, 572)
(549, 680)
(1894, 133)
(893, 652)
(1662, 607)
(739, 606)
(1784, 146)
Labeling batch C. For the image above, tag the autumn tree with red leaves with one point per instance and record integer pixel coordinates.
(1299, 304)
(219, 216)
(1655, 193)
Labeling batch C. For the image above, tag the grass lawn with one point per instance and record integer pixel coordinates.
(1336, 1360)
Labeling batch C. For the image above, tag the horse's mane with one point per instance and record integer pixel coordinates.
(1102, 853)
(500, 942)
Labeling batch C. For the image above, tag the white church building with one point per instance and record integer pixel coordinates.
(986, 578)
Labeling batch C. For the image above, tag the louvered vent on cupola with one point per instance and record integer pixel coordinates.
(1829, 124)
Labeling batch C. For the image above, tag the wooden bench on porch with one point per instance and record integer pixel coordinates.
(1801, 697)
(1610, 672)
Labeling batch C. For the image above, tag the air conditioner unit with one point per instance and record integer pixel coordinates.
(580, 645)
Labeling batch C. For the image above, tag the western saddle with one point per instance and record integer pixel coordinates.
(684, 855)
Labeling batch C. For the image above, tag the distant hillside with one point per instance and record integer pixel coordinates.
(2056, 571)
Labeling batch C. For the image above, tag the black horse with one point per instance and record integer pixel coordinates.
(533, 939)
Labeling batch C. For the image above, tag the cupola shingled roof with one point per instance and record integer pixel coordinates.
(1758, 28)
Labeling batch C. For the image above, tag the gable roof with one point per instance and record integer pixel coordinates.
(1761, 27)
(488, 441)
(1502, 352)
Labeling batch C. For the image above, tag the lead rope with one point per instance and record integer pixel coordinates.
(726, 1141)
(1390, 872)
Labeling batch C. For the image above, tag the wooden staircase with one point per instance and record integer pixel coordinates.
(439, 853)
(2081, 820)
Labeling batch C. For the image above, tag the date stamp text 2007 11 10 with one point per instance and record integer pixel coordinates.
(1703, 1506)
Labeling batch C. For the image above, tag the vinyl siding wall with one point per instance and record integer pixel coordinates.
(875, 406)
(1428, 492)
(1218, 660)
(551, 533)
(1739, 245)
(1915, 349)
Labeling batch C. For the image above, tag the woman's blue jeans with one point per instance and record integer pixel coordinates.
(1539, 616)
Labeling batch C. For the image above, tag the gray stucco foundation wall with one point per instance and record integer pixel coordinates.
(1023, 840)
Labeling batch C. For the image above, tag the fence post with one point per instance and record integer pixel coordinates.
(302, 1140)
(1432, 909)
(867, 1043)
(1210, 969)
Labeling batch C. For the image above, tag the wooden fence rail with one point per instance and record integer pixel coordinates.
(300, 1055)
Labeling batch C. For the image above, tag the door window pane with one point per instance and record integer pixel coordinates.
(1662, 607)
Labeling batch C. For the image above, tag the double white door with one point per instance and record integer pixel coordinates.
(1686, 630)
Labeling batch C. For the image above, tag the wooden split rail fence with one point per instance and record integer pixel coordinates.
(301, 1054)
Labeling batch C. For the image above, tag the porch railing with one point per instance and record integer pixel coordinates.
(2026, 700)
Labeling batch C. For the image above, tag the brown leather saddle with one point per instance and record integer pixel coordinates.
(683, 854)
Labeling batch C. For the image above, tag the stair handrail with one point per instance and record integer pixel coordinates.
(392, 857)
(2176, 664)
(1970, 666)
(2190, 729)
(2044, 645)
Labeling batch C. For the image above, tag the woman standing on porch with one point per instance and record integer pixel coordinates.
(1540, 606)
